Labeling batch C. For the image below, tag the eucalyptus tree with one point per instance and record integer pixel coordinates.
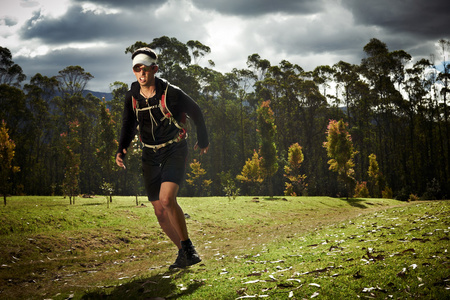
(40, 154)
(10, 72)
(323, 76)
(198, 50)
(220, 106)
(355, 95)
(73, 106)
(420, 135)
(268, 150)
(444, 79)
(312, 119)
(282, 85)
(247, 110)
(383, 69)
(258, 66)
(346, 76)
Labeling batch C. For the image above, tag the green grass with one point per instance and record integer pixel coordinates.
(285, 248)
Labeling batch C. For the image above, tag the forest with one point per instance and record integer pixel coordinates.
(269, 127)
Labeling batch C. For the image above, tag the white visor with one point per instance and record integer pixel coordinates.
(143, 59)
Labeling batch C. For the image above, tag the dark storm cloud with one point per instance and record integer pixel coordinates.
(74, 26)
(77, 25)
(261, 7)
(428, 19)
(97, 62)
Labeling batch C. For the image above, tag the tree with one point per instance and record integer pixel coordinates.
(268, 150)
(444, 78)
(384, 71)
(295, 184)
(252, 173)
(71, 143)
(107, 143)
(246, 79)
(195, 178)
(13, 109)
(340, 149)
(322, 75)
(375, 175)
(260, 66)
(118, 91)
(7, 147)
(38, 145)
(346, 77)
(198, 50)
(73, 80)
(10, 73)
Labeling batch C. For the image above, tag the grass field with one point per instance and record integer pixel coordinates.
(285, 248)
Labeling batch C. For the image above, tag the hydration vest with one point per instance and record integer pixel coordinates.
(167, 114)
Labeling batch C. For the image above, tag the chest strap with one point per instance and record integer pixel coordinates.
(181, 136)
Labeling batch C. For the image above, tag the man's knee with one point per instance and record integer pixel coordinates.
(167, 201)
(159, 210)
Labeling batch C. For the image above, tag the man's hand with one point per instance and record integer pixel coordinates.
(202, 150)
(119, 159)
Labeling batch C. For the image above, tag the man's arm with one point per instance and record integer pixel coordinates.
(128, 131)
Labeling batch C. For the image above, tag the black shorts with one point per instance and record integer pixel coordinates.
(166, 164)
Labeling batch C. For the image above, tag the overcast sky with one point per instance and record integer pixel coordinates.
(45, 36)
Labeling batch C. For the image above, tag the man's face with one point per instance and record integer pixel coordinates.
(145, 75)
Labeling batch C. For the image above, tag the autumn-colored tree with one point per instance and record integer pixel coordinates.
(252, 173)
(340, 149)
(7, 147)
(361, 190)
(295, 184)
(71, 144)
(268, 150)
(195, 178)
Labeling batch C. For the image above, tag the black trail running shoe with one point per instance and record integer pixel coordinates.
(192, 256)
(180, 262)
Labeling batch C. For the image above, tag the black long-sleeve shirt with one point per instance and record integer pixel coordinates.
(153, 128)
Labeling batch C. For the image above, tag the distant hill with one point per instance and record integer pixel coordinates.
(100, 95)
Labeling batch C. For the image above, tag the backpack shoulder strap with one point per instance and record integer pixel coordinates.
(134, 103)
(164, 109)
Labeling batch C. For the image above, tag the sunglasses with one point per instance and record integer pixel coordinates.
(139, 68)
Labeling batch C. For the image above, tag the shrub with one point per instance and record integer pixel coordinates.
(361, 190)
(387, 193)
(413, 197)
(295, 184)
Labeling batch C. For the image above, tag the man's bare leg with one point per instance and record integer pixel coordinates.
(168, 201)
(166, 225)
